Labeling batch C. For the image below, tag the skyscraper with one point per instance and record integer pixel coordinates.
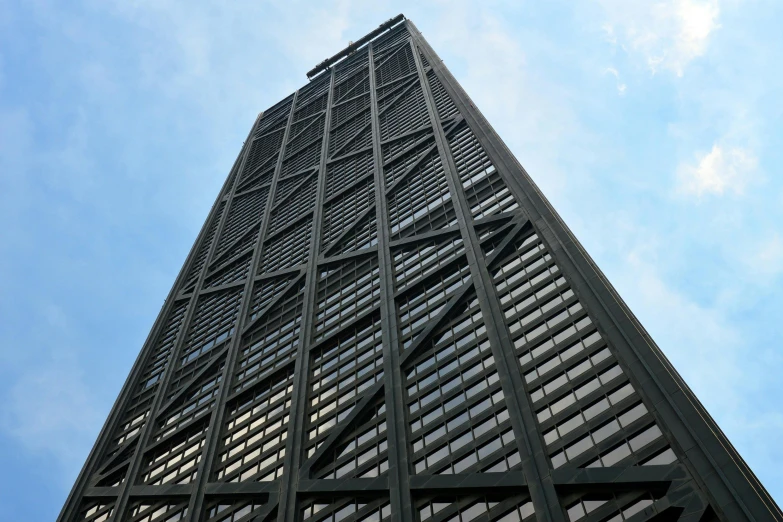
(384, 319)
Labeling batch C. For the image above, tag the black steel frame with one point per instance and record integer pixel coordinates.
(379, 186)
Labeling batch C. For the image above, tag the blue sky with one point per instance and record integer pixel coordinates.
(655, 128)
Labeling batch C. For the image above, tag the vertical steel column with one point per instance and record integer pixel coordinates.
(397, 431)
(146, 432)
(214, 431)
(293, 448)
(534, 459)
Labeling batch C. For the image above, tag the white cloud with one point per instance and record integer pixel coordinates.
(723, 169)
(620, 85)
(667, 35)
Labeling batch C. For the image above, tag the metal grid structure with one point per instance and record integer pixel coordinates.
(384, 319)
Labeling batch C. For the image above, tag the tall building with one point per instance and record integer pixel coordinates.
(384, 319)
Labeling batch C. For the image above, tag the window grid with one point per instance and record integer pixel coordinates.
(459, 422)
(493, 508)
(612, 507)
(540, 307)
(228, 510)
(298, 126)
(260, 457)
(485, 191)
(272, 123)
(341, 173)
(342, 360)
(422, 201)
(387, 94)
(247, 241)
(490, 196)
(132, 423)
(273, 118)
(576, 373)
(344, 111)
(344, 510)
(348, 133)
(273, 342)
(302, 159)
(398, 164)
(312, 90)
(116, 475)
(558, 325)
(364, 235)
(300, 202)
(163, 511)
(341, 371)
(422, 302)
(424, 60)
(204, 248)
(491, 236)
(397, 146)
(192, 406)
(309, 134)
(358, 83)
(350, 65)
(362, 452)
(213, 322)
(446, 107)
(342, 212)
(287, 250)
(606, 373)
(591, 415)
(599, 410)
(175, 461)
(96, 511)
(527, 276)
(257, 179)
(262, 150)
(398, 64)
(286, 185)
(344, 292)
(413, 262)
(637, 440)
(469, 428)
(311, 106)
(522, 302)
(235, 271)
(459, 343)
(255, 429)
(407, 113)
(264, 292)
(548, 356)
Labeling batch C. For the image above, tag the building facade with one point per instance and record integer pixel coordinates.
(384, 319)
